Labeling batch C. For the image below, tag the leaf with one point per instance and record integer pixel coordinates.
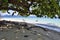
(5, 0)
(3, 11)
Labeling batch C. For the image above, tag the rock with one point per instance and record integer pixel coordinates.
(3, 39)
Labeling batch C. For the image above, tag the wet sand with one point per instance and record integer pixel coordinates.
(21, 31)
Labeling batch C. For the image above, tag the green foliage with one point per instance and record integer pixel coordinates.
(5, 0)
(3, 11)
(39, 7)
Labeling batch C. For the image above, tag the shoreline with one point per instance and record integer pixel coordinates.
(29, 24)
(35, 33)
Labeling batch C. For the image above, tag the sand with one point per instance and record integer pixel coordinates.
(20, 31)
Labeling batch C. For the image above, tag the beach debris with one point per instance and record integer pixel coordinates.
(44, 29)
(38, 34)
(23, 30)
(3, 27)
(22, 27)
(7, 25)
(34, 32)
(10, 27)
(4, 39)
(17, 37)
(18, 28)
(16, 31)
(28, 28)
(25, 35)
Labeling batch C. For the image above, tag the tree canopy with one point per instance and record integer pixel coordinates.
(39, 8)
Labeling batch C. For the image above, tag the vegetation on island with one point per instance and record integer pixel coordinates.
(40, 8)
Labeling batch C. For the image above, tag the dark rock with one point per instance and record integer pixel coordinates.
(25, 35)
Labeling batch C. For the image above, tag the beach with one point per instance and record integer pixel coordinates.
(24, 31)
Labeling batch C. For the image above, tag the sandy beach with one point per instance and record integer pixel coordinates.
(24, 31)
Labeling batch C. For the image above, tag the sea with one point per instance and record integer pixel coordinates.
(49, 23)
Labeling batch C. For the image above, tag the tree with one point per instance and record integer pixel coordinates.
(40, 8)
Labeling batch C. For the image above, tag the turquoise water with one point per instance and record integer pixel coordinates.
(34, 19)
(53, 24)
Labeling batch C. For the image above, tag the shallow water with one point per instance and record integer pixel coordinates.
(36, 20)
